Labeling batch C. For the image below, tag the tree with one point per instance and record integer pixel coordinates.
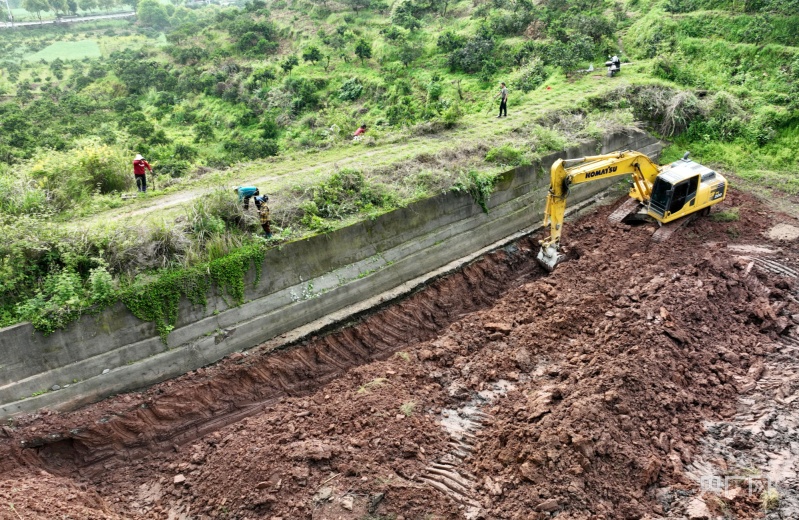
(72, 5)
(36, 7)
(357, 5)
(87, 5)
(312, 54)
(106, 4)
(406, 15)
(263, 76)
(363, 49)
(408, 53)
(289, 63)
(203, 131)
(151, 13)
(57, 6)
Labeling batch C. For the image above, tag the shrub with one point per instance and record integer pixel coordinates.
(478, 184)
(452, 115)
(245, 148)
(531, 76)
(449, 41)
(405, 15)
(185, 152)
(68, 177)
(472, 56)
(506, 155)
(350, 90)
(203, 131)
(173, 167)
(346, 192)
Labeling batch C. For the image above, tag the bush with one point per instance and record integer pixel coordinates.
(472, 56)
(173, 167)
(350, 90)
(203, 131)
(185, 152)
(506, 155)
(68, 177)
(478, 184)
(344, 193)
(449, 41)
(245, 148)
(531, 76)
(452, 115)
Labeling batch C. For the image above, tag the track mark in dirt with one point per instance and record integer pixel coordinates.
(447, 474)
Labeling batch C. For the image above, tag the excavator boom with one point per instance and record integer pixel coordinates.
(566, 173)
(669, 193)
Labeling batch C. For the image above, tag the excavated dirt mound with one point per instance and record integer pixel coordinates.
(496, 392)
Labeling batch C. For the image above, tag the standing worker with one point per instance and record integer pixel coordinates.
(245, 193)
(503, 104)
(139, 166)
(263, 213)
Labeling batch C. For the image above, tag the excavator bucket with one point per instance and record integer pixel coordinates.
(549, 257)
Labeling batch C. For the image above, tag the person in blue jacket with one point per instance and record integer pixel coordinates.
(246, 193)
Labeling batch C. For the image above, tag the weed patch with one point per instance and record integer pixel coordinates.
(731, 215)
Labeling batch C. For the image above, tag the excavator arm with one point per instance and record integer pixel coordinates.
(566, 173)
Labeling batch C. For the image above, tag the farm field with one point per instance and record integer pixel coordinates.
(67, 51)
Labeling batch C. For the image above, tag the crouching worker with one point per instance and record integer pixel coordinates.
(263, 213)
(359, 133)
(245, 193)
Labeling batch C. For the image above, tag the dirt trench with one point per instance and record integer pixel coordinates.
(495, 392)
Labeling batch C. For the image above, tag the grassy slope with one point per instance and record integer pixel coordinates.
(701, 60)
(278, 173)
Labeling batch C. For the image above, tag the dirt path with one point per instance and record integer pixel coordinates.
(497, 392)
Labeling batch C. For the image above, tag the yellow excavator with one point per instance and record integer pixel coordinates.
(669, 195)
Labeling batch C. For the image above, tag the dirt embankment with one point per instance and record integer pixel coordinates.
(498, 392)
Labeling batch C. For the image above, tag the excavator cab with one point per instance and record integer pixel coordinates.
(669, 199)
(684, 187)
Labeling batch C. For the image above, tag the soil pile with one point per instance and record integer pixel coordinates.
(589, 388)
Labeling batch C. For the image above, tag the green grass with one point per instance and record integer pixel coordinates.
(731, 215)
(67, 51)
(772, 166)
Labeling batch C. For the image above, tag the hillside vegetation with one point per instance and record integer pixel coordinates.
(271, 92)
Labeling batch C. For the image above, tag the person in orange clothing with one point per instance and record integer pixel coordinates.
(139, 167)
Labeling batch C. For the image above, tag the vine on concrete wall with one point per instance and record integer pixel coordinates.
(158, 301)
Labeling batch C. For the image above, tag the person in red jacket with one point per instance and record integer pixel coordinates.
(139, 165)
(359, 132)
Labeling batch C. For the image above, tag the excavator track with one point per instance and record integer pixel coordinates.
(629, 206)
(666, 230)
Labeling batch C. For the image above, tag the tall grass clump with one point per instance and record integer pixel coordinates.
(70, 177)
